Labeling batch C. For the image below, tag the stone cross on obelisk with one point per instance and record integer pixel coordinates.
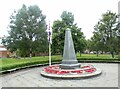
(69, 58)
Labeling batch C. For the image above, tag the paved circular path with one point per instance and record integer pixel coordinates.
(32, 78)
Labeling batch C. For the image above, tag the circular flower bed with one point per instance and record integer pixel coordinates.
(55, 69)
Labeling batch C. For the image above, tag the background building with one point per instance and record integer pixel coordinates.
(4, 52)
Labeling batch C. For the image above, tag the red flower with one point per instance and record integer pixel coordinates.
(86, 67)
(77, 71)
(90, 70)
(63, 72)
(55, 69)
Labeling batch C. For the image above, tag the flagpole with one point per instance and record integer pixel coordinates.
(49, 54)
(50, 39)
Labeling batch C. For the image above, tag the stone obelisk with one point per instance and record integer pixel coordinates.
(69, 58)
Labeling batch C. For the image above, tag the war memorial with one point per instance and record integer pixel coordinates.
(70, 73)
(70, 68)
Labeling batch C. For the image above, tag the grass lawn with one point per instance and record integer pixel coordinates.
(10, 63)
(100, 56)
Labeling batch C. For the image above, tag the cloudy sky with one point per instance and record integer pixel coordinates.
(86, 12)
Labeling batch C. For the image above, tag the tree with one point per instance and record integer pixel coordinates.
(96, 44)
(89, 46)
(106, 30)
(118, 40)
(67, 18)
(28, 31)
(59, 27)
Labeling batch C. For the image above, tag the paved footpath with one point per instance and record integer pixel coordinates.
(32, 78)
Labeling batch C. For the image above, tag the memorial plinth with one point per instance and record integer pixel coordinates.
(69, 58)
(70, 68)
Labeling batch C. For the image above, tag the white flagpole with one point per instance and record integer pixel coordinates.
(49, 54)
(49, 45)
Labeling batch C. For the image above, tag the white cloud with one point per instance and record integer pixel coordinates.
(86, 12)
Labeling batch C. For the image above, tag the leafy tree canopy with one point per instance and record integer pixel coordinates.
(105, 32)
(59, 27)
(27, 31)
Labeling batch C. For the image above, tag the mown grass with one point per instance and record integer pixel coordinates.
(95, 57)
(10, 63)
(104, 56)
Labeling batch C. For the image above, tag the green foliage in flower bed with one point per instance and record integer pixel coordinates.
(11, 63)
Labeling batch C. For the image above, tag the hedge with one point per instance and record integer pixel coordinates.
(56, 59)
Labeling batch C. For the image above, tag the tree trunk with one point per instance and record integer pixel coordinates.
(62, 53)
(30, 53)
(119, 55)
(112, 53)
(97, 53)
(80, 54)
(102, 52)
